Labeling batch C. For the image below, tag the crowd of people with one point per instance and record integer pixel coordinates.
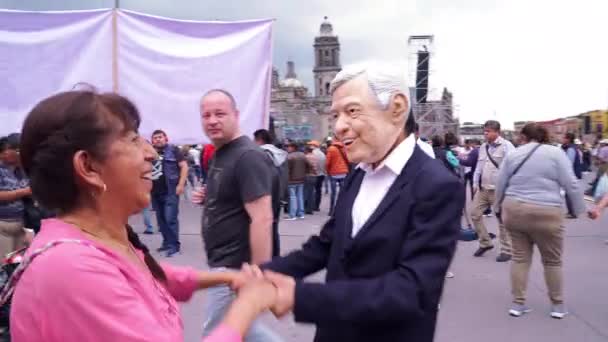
(396, 207)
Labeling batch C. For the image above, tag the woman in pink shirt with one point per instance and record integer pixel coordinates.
(87, 277)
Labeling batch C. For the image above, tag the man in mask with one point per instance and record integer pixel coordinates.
(392, 235)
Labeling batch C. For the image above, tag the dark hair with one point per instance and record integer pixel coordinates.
(410, 124)
(4, 144)
(308, 149)
(450, 139)
(159, 131)
(263, 135)
(493, 125)
(416, 127)
(437, 141)
(536, 132)
(570, 136)
(11, 141)
(64, 124)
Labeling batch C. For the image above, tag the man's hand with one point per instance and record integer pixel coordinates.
(594, 213)
(198, 195)
(26, 192)
(179, 189)
(286, 290)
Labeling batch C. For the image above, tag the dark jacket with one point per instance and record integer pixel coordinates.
(171, 168)
(471, 160)
(577, 165)
(385, 283)
(298, 167)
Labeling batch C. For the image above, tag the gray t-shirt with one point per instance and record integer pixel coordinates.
(239, 173)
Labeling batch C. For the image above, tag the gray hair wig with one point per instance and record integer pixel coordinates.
(384, 81)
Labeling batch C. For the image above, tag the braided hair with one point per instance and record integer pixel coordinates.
(153, 266)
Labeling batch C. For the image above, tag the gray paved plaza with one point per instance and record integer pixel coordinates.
(475, 302)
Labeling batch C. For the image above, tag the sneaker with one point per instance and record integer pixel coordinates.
(503, 257)
(481, 251)
(449, 275)
(571, 217)
(149, 231)
(300, 217)
(558, 311)
(291, 219)
(518, 310)
(171, 252)
(162, 248)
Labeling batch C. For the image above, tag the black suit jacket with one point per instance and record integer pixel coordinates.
(385, 283)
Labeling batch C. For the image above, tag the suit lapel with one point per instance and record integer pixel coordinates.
(394, 192)
(351, 189)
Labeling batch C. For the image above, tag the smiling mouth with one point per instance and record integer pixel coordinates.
(348, 142)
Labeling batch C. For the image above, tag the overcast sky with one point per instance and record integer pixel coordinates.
(504, 59)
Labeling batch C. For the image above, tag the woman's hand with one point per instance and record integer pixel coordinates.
(247, 274)
(252, 299)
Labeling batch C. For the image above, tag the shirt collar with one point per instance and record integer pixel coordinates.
(498, 141)
(396, 160)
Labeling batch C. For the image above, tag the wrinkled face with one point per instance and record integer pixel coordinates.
(490, 134)
(159, 141)
(10, 156)
(367, 130)
(127, 173)
(220, 119)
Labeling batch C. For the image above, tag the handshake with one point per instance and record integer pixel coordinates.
(258, 291)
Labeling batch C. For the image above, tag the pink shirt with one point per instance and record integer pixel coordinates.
(73, 292)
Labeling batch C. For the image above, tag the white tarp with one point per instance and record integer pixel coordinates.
(166, 65)
(45, 53)
(163, 65)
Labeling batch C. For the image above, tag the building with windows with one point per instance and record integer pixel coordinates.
(470, 130)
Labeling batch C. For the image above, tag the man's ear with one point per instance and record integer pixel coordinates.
(398, 107)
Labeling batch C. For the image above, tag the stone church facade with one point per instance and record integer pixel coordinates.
(295, 114)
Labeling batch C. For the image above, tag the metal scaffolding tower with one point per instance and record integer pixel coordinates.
(434, 114)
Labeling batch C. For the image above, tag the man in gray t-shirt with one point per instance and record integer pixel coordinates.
(237, 224)
(239, 173)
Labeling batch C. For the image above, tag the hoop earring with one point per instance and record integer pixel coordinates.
(105, 188)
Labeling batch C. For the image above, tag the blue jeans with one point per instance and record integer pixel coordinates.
(309, 194)
(335, 182)
(147, 219)
(296, 200)
(167, 209)
(219, 299)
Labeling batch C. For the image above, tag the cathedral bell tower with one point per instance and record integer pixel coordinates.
(327, 58)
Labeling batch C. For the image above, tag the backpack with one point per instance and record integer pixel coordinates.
(447, 159)
(280, 179)
(452, 159)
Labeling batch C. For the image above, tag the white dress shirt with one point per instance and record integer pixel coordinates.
(426, 148)
(376, 183)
